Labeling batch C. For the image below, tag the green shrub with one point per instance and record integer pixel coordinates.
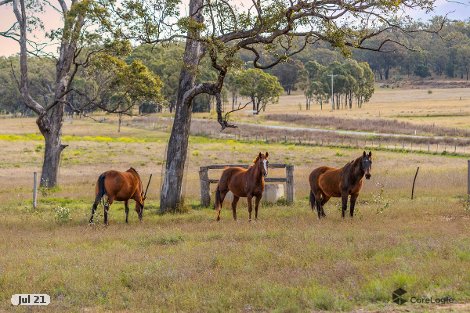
(62, 215)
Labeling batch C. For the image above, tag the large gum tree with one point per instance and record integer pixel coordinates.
(69, 39)
(50, 114)
(81, 46)
(270, 30)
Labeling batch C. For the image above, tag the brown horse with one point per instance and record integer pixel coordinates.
(327, 182)
(119, 186)
(242, 182)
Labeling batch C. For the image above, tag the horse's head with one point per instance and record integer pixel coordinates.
(139, 207)
(366, 163)
(262, 161)
(143, 196)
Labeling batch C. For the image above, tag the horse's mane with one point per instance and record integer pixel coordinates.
(351, 164)
(254, 162)
(133, 170)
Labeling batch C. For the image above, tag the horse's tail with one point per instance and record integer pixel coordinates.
(312, 200)
(217, 199)
(101, 188)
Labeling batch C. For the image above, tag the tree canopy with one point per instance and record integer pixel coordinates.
(261, 87)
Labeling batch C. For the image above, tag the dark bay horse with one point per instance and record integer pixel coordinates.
(327, 182)
(242, 182)
(120, 186)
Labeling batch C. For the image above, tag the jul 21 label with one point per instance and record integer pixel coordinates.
(30, 299)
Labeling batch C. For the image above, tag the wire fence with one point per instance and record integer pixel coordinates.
(377, 144)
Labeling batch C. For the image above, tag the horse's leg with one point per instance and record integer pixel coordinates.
(323, 201)
(107, 204)
(344, 198)
(317, 196)
(258, 198)
(93, 209)
(353, 203)
(319, 206)
(250, 207)
(234, 206)
(126, 205)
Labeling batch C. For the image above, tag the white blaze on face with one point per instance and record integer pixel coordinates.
(265, 164)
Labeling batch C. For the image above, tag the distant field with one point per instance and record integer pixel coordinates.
(441, 107)
(288, 261)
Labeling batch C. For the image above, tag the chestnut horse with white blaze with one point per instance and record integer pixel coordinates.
(120, 186)
(243, 182)
(326, 182)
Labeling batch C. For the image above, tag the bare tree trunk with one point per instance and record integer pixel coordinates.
(350, 99)
(50, 126)
(178, 145)
(234, 100)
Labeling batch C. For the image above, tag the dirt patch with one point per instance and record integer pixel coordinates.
(426, 84)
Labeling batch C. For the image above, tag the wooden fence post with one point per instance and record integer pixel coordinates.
(414, 181)
(290, 184)
(205, 186)
(35, 191)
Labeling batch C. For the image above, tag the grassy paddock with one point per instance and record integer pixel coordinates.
(288, 261)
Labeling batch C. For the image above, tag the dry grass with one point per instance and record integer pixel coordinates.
(286, 262)
(368, 125)
(443, 107)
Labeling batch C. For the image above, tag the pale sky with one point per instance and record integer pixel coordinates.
(457, 9)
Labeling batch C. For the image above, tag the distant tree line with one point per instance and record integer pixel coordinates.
(444, 55)
(107, 83)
